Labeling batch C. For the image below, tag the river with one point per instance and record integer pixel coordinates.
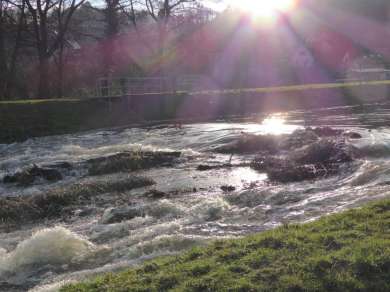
(42, 256)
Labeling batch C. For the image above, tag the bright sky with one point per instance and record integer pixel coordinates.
(256, 8)
(217, 5)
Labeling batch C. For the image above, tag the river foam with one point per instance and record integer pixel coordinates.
(54, 246)
(166, 244)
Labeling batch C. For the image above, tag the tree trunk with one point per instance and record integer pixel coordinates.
(43, 86)
(60, 85)
(3, 62)
(112, 30)
(10, 81)
(44, 57)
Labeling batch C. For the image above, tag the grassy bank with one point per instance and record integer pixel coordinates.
(342, 252)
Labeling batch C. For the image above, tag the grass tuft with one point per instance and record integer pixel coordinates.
(55, 203)
(131, 161)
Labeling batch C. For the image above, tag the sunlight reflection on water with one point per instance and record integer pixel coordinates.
(247, 175)
(276, 125)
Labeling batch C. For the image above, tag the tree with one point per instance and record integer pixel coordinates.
(163, 12)
(12, 26)
(50, 22)
(3, 62)
(111, 13)
(118, 12)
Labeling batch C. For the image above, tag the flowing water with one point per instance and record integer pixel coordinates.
(43, 256)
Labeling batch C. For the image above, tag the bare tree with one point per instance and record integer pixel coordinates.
(115, 12)
(50, 21)
(162, 11)
(62, 16)
(111, 13)
(3, 64)
(12, 25)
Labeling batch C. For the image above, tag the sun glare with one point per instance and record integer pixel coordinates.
(263, 8)
(276, 125)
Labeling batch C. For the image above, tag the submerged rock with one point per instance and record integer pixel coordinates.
(249, 143)
(54, 203)
(85, 212)
(326, 132)
(299, 138)
(320, 159)
(324, 151)
(274, 144)
(131, 161)
(28, 176)
(228, 189)
(206, 167)
(62, 165)
(291, 172)
(353, 135)
(305, 154)
(116, 215)
(284, 170)
(156, 194)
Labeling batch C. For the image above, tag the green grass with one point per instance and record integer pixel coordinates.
(36, 101)
(342, 252)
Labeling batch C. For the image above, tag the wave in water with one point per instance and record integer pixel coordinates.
(166, 244)
(54, 246)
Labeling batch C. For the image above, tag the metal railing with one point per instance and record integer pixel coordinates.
(147, 85)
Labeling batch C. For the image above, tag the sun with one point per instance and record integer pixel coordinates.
(263, 8)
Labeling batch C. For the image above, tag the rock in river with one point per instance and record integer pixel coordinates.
(273, 144)
(324, 151)
(116, 215)
(326, 132)
(131, 161)
(320, 159)
(28, 176)
(249, 143)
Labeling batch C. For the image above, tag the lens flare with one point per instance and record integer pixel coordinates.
(263, 8)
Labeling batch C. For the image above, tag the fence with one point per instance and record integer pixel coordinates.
(196, 85)
(111, 87)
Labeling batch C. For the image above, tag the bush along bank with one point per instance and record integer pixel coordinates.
(342, 252)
